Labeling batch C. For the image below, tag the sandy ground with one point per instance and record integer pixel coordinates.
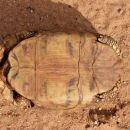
(111, 17)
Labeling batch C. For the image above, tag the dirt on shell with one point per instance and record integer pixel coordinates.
(109, 111)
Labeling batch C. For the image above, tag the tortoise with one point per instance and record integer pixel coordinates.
(58, 70)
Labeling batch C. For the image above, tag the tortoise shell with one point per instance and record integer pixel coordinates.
(62, 70)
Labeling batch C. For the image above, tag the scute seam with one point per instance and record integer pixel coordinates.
(79, 89)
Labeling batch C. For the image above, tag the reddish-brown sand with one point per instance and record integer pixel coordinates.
(111, 17)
